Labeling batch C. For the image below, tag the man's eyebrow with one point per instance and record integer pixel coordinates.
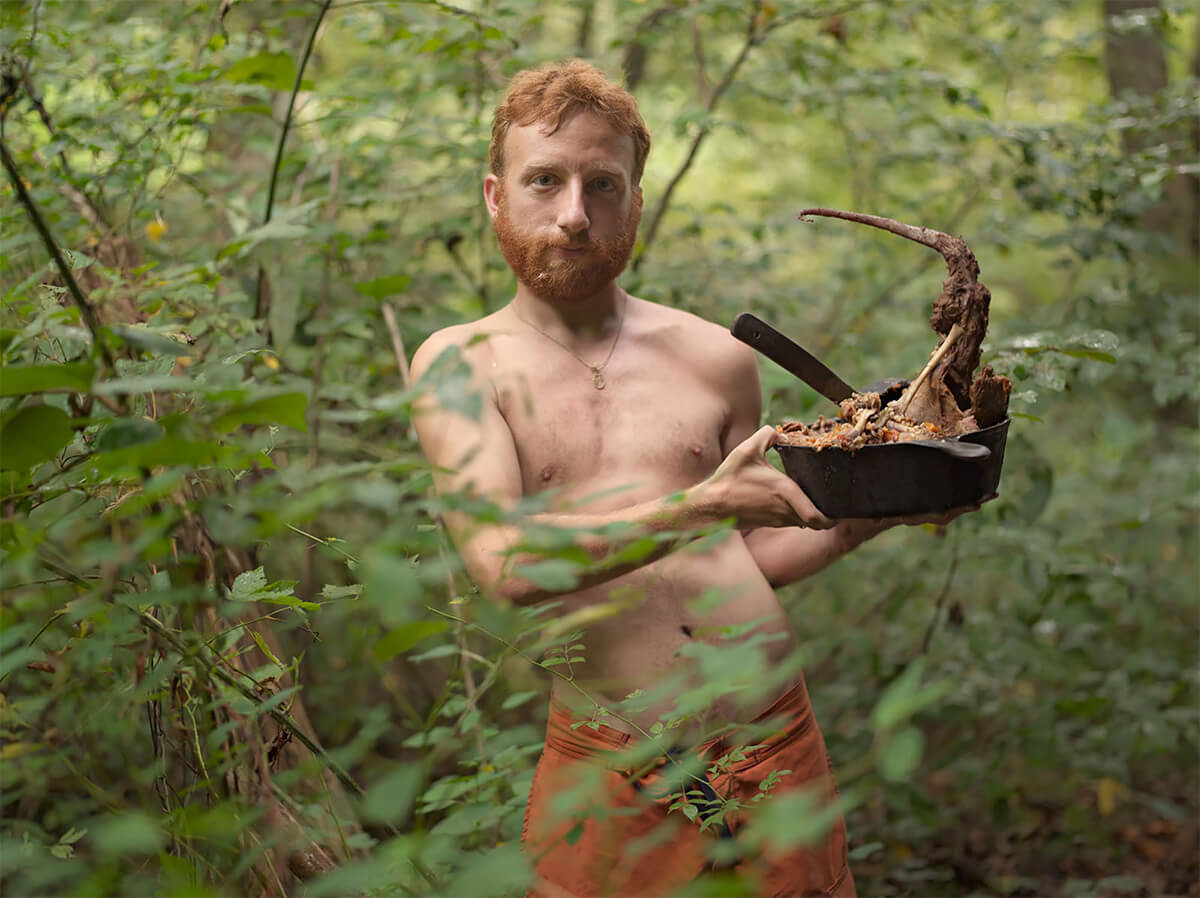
(544, 164)
(615, 173)
(592, 170)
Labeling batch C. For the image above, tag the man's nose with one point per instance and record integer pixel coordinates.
(572, 216)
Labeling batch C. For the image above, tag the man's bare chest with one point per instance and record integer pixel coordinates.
(650, 431)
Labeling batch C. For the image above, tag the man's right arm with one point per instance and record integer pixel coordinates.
(478, 455)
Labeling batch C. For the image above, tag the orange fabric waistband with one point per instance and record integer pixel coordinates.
(598, 741)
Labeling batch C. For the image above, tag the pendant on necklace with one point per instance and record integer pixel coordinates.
(597, 379)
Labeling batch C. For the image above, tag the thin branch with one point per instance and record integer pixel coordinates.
(941, 599)
(753, 37)
(811, 14)
(87, 207)
(259, 304)
(633, 66)
(85, 308)
(831, 335)
(152, 623)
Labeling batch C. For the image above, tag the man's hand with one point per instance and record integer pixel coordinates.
(940, 518)
(747, 487)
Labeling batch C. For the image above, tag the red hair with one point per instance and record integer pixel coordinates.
(551, 93)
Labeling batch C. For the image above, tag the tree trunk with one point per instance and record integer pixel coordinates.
(1137, 65)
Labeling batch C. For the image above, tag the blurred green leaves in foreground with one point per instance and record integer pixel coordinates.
(236, 655)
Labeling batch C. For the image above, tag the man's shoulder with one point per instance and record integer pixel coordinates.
(465, 337)
(701, 339)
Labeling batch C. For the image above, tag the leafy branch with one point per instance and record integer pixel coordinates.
(86, 311)
(754, 36)
(260, 309)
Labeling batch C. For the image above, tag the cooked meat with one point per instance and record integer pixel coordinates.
(948, 397)
(989, 397)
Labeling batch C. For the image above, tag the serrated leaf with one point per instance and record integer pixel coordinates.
(71, 377)
(247, 583)
(33, 435)
(404, 638)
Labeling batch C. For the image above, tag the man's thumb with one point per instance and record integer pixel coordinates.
(764, 438)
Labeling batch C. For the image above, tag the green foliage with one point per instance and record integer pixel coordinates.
(221, 552)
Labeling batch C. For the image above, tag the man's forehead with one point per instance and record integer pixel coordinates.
(581, 135)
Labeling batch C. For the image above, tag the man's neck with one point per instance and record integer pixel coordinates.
(581, 318)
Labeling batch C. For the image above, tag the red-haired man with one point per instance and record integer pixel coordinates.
(620, 411)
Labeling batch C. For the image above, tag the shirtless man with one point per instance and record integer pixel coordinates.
(620, 410)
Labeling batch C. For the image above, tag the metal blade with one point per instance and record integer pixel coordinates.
(790, 356)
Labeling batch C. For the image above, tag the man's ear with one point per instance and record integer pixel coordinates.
(491, 194)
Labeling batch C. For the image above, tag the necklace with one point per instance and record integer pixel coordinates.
(597, 370)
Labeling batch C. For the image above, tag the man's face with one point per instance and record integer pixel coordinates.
(565, 213)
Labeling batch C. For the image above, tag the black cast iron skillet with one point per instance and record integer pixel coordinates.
(912, 477)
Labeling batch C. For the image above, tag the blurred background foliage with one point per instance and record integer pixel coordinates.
(236, 657)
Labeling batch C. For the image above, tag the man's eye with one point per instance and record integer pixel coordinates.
(543, 180)
(604, 184)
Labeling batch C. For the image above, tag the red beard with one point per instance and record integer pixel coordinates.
(551, 275)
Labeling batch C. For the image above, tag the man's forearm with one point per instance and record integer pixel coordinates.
(786, 555)
(616, 543)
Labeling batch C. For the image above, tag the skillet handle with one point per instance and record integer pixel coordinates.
(956, 448)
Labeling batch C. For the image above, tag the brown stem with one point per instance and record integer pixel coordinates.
(941, 599)
(833, 334)
(87, 207)
(925, 236)
(86, 311)
(753, 37)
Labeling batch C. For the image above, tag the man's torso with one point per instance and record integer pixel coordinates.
(656, 428)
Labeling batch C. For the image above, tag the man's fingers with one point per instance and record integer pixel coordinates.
(808, 513)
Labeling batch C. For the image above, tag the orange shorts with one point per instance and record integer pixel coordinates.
(596, 828)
